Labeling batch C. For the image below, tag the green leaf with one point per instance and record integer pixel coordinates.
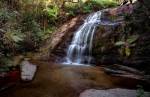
(132, 39)
(119, 43)
(17, 37)
(127, 51)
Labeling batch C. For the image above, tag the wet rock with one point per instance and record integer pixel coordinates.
(124, 9)
(112, 93)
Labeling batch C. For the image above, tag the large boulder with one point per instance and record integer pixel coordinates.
(113, 93)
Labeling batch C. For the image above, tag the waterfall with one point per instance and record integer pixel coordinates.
(80, 49)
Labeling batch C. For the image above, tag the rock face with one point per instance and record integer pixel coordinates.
(112, 93)
(60, 38)
(119, 45)
(104, 50)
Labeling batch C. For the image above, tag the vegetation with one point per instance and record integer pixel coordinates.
(140, 91)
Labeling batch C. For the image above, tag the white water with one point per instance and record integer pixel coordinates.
(80, 49)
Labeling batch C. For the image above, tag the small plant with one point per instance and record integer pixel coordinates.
(125, 45)
(87, 8)
(52, 12)
(4, 16)
(140, 91)
(105, 3)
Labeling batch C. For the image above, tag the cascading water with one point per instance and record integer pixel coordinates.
(80, 49)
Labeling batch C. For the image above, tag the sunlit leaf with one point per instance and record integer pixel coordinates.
(127, 51)
(119, 43)
(17, 38)
(132, 39)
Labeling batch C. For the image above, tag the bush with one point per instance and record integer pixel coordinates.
(89, 6)
(52, 12)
